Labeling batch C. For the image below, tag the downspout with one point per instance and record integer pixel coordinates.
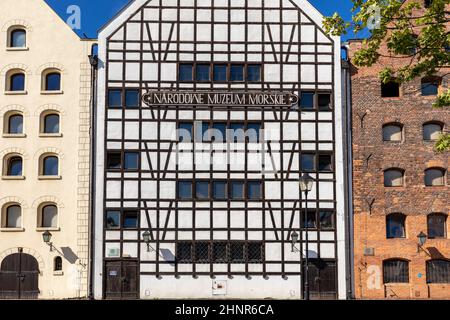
(93, 60)
(348, 173)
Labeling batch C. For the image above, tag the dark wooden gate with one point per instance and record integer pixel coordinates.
(322, 279)
(121, 279)
(19, 276)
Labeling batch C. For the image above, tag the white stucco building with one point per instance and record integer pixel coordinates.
(45, 80)
(213, 216)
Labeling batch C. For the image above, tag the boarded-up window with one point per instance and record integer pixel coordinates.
(431, 131)
(434, 177)
(393, 178)
(392, 132)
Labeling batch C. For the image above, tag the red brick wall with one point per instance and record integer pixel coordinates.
(373, 201)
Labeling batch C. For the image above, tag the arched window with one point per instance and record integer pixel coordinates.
(51, 80)
(12, 216)
(393, 178)
(437, 225)
(14, 124)
(395, 225)
(430, 86)
(392, 132)
(15, 81)
(395, 271)
(57, 264)
(17, 38)
(438, 271)
(50, 165)
(50, 123)
(432, 131)
(48, 216)
(14, 166)
(434, 177)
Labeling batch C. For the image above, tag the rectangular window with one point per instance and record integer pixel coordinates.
(114, 161)
(254, 252)
(254, 190)
(202, 190)
(184, 252)
(237, 190)
(395, 271)
(326, 220)
(185, 189)
(309, 221)
(324, 101)
(307, 100)
(131, 161)
(430, 87)
(219, 190)
(308, 162)
(324, 162)
(253, 132)
(115, 98)
(237, 252)
(130, 220)
(219, 252)
(185, 72)
(185, 132)
(132, 99)
(202, 72)
(201, 250)
(237, 72)
(220, 72)
(112, 219)
(390, 90)
(253, 73)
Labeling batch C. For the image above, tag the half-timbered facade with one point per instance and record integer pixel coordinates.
(208, 113)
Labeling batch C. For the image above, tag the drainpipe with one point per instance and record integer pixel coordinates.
(93, 60)
(348, 174)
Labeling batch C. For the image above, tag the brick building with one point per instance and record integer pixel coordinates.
(400, 185)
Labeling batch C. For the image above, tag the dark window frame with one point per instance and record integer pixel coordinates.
(390, 89)
(9, 163)
(393, 124)
(57, 264)
(12, 79)
(122, 154)
(13, 205)
(47, 81)
(10, 118)
(12, 33)
(44, 124)
(44, 167)
(442, 275)
(316, 106)
(400, 276)
(443, 226)
(391, 218)
(441, 170)
(122, 213)
(316, 161)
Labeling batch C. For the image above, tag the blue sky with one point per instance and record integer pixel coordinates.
(95, 13)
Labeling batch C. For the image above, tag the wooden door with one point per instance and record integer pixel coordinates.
(19, 277)
(121, 279)
(322, 279)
